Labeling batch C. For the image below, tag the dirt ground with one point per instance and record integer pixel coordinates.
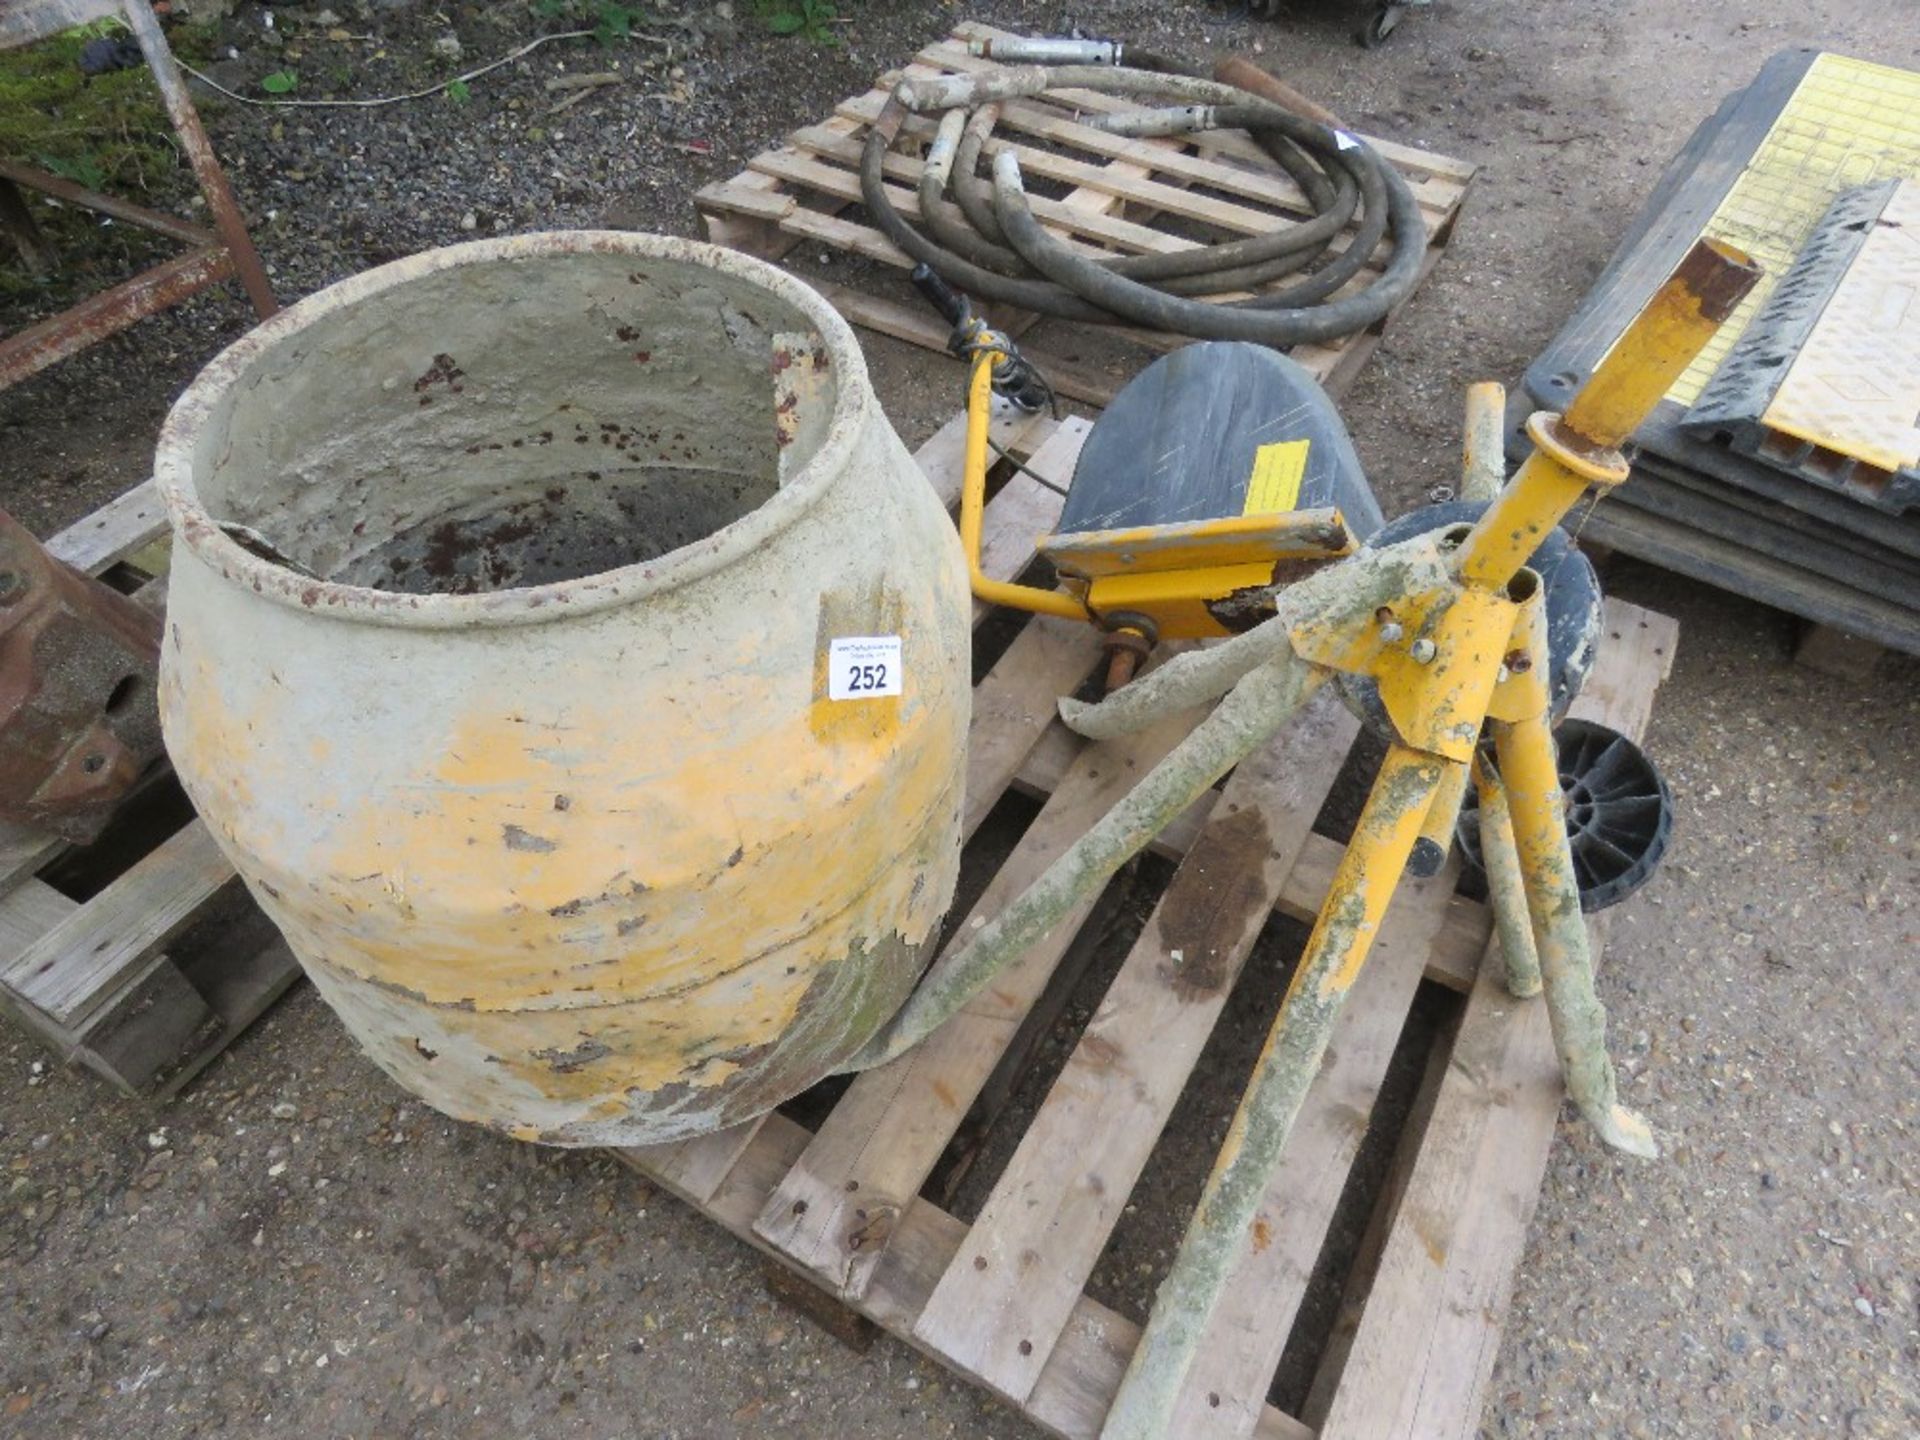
(296, 1248)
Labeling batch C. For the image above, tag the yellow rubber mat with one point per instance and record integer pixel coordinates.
(1848, 123)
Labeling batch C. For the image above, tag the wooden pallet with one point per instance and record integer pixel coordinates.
(1123, 196)
(1003, 1301)
(95, 979)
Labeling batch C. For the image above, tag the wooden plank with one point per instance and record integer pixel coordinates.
(27, 912)
(113, 532)
(998, 1311)
(1430, 1329)
(747, 213)
(1017, 702)
(1072, 1396)
(24, 21)
(238, 994)
(1227, 1388)
(154, 1022)
(30, 911)
(834, 1212)
(696, 1167)
(1454, 958)
(1365, 1260)
(72, 969)
(944, 452)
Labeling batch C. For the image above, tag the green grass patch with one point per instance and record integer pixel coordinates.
(105, 132)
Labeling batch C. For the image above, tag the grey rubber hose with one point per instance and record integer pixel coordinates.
(986, 240)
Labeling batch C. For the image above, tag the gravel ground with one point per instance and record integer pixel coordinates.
(295, 1245)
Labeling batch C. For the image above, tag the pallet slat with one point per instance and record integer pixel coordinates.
(1476, 1161)
(69, 972)
(834, 1211)
(1227, 1387)
(1121, 188)
(999, 1309)
(1071, 1398)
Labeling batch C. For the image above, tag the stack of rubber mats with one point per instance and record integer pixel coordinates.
(1785, 465)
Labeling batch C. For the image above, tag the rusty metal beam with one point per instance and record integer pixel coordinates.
(68, 193)
(218, 254)
(213, 180)
(99, 316)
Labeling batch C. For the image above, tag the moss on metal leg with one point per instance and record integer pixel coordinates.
(1362, 887)
(1530, 772)
(1506, 889)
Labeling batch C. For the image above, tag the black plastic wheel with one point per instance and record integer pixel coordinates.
(1619, 815)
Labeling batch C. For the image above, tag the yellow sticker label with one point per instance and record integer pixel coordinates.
(1274, 486)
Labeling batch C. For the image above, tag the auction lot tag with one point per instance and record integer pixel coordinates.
(863, 667)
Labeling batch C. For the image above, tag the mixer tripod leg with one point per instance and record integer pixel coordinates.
(1362, 886)
(1258, 706)
(1506, 887)
(1529, 770)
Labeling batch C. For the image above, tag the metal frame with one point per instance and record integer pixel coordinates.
(1451, 628)
(220, 253)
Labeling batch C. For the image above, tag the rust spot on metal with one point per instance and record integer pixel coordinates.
(217, 254)
(1216, 894)
(78, 725)
(1718, 275)
(443, 371)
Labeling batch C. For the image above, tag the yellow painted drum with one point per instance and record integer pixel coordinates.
(574, 664)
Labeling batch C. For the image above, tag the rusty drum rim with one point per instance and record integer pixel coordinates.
(195, 527)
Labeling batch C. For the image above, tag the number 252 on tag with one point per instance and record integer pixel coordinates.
(864, 667)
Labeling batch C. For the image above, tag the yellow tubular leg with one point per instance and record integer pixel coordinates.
(973, 498)
(1436, 831)
(1295, 1046)
(1483, 462)
(1506, 891)
(1581, 448)
(1529, 769)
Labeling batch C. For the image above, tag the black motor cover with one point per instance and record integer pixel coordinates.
(1182, 441)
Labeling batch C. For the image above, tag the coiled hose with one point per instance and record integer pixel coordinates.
(986, 240)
